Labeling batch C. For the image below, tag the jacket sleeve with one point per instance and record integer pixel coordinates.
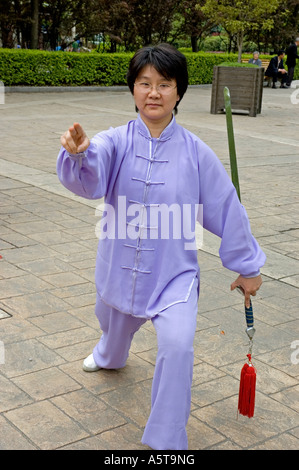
(87, 174)
(225, 216)
(272, 67)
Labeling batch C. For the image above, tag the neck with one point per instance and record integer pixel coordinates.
(157, 127)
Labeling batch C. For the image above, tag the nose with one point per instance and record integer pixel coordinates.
(154, 90)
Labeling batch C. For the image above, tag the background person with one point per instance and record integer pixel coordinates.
(255, 59)
(276, 70)
(292, 55)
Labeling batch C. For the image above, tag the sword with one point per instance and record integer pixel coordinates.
(250, 330)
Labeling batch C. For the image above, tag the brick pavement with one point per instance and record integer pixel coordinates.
(47, 293)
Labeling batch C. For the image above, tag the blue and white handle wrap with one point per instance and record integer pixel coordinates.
(250, 330)
(249, 316)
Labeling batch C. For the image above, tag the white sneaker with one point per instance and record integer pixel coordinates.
(89, 364)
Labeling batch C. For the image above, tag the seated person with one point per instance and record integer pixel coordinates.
(276, 70)
(255, 59)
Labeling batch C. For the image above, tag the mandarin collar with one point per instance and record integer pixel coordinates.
(165, 135)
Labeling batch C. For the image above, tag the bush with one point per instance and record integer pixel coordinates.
(214, 43)
(236, 64)
(40, 68)
(200, 65)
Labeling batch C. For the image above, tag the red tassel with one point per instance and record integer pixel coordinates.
(247, 389)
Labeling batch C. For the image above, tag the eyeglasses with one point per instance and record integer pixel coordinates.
(163, 88)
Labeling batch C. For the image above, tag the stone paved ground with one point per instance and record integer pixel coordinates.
(47, 293)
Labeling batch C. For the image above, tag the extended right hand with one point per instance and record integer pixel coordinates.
(74, 140)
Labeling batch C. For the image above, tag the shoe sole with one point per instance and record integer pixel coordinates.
(89, 369)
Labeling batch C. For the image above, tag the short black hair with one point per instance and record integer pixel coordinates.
(280, 52)
(167, 60)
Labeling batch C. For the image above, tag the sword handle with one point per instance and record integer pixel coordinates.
(249, 316)
(250, 330)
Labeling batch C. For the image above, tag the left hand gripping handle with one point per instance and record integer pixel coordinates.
(249, 316)
(250, 330)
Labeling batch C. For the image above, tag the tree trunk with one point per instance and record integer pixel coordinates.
(7, 30)
(34, 26)
(240, 37)
(194, 43)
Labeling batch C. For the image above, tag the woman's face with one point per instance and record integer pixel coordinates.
(155, 96)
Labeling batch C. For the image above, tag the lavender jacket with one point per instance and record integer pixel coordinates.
(143, 264)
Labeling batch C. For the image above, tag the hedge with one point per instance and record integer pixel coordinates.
(41, 68)
(200, 65)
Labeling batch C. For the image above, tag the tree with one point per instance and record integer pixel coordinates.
(119, 24)
(286, 27)
(56, 14)
(153, 20)
(239, 16)
(195, 23)
(113, 19)
(35, 23)
(7, 22)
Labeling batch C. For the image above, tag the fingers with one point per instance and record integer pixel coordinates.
(74, 140)
(79, 129)
(67, 143)
(82, 137)
(69, 140)
(84, 145)
(248, 286)
(247, 299)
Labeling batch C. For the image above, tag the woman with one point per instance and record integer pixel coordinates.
(154, 167)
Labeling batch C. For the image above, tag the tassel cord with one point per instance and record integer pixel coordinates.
(247, 389)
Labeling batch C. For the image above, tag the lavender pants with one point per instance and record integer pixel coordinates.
(171, 388)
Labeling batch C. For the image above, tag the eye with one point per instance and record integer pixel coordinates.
(164, 86)
(145, 84)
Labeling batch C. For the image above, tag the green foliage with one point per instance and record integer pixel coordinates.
(40, 68)
(261, 56)
(237, 64)
(214, 43)
(240, 16)
(200, 65)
